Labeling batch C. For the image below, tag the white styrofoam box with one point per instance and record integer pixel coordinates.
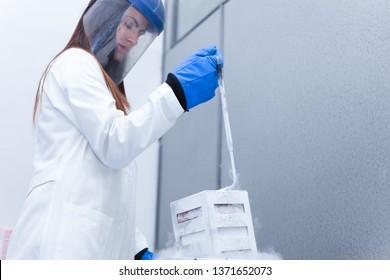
(214, 224)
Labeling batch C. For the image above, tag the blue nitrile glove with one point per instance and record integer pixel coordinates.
(195, 80)
(145, 254)
(148, 256)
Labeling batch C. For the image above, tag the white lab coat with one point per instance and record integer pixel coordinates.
(80, 204)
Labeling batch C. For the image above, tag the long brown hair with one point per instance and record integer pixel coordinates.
(80, 40)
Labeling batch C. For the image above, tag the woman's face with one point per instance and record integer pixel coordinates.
(132, 25)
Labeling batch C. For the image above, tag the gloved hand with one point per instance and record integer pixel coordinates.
(195, 80)
(145, 254)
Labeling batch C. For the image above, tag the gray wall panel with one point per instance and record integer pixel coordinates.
(308, 88)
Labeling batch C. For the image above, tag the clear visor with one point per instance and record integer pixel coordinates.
(118, 35)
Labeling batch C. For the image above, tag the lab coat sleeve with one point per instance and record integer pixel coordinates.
(116, 139)
(140, 241)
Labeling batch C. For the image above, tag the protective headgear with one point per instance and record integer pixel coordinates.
(120, 31)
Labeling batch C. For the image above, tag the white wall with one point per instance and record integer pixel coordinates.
(31, 33)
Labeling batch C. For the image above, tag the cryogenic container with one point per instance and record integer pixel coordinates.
(214, 224)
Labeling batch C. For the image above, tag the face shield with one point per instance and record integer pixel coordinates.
(120, 31)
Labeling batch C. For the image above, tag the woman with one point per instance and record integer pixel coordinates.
(81, 199)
